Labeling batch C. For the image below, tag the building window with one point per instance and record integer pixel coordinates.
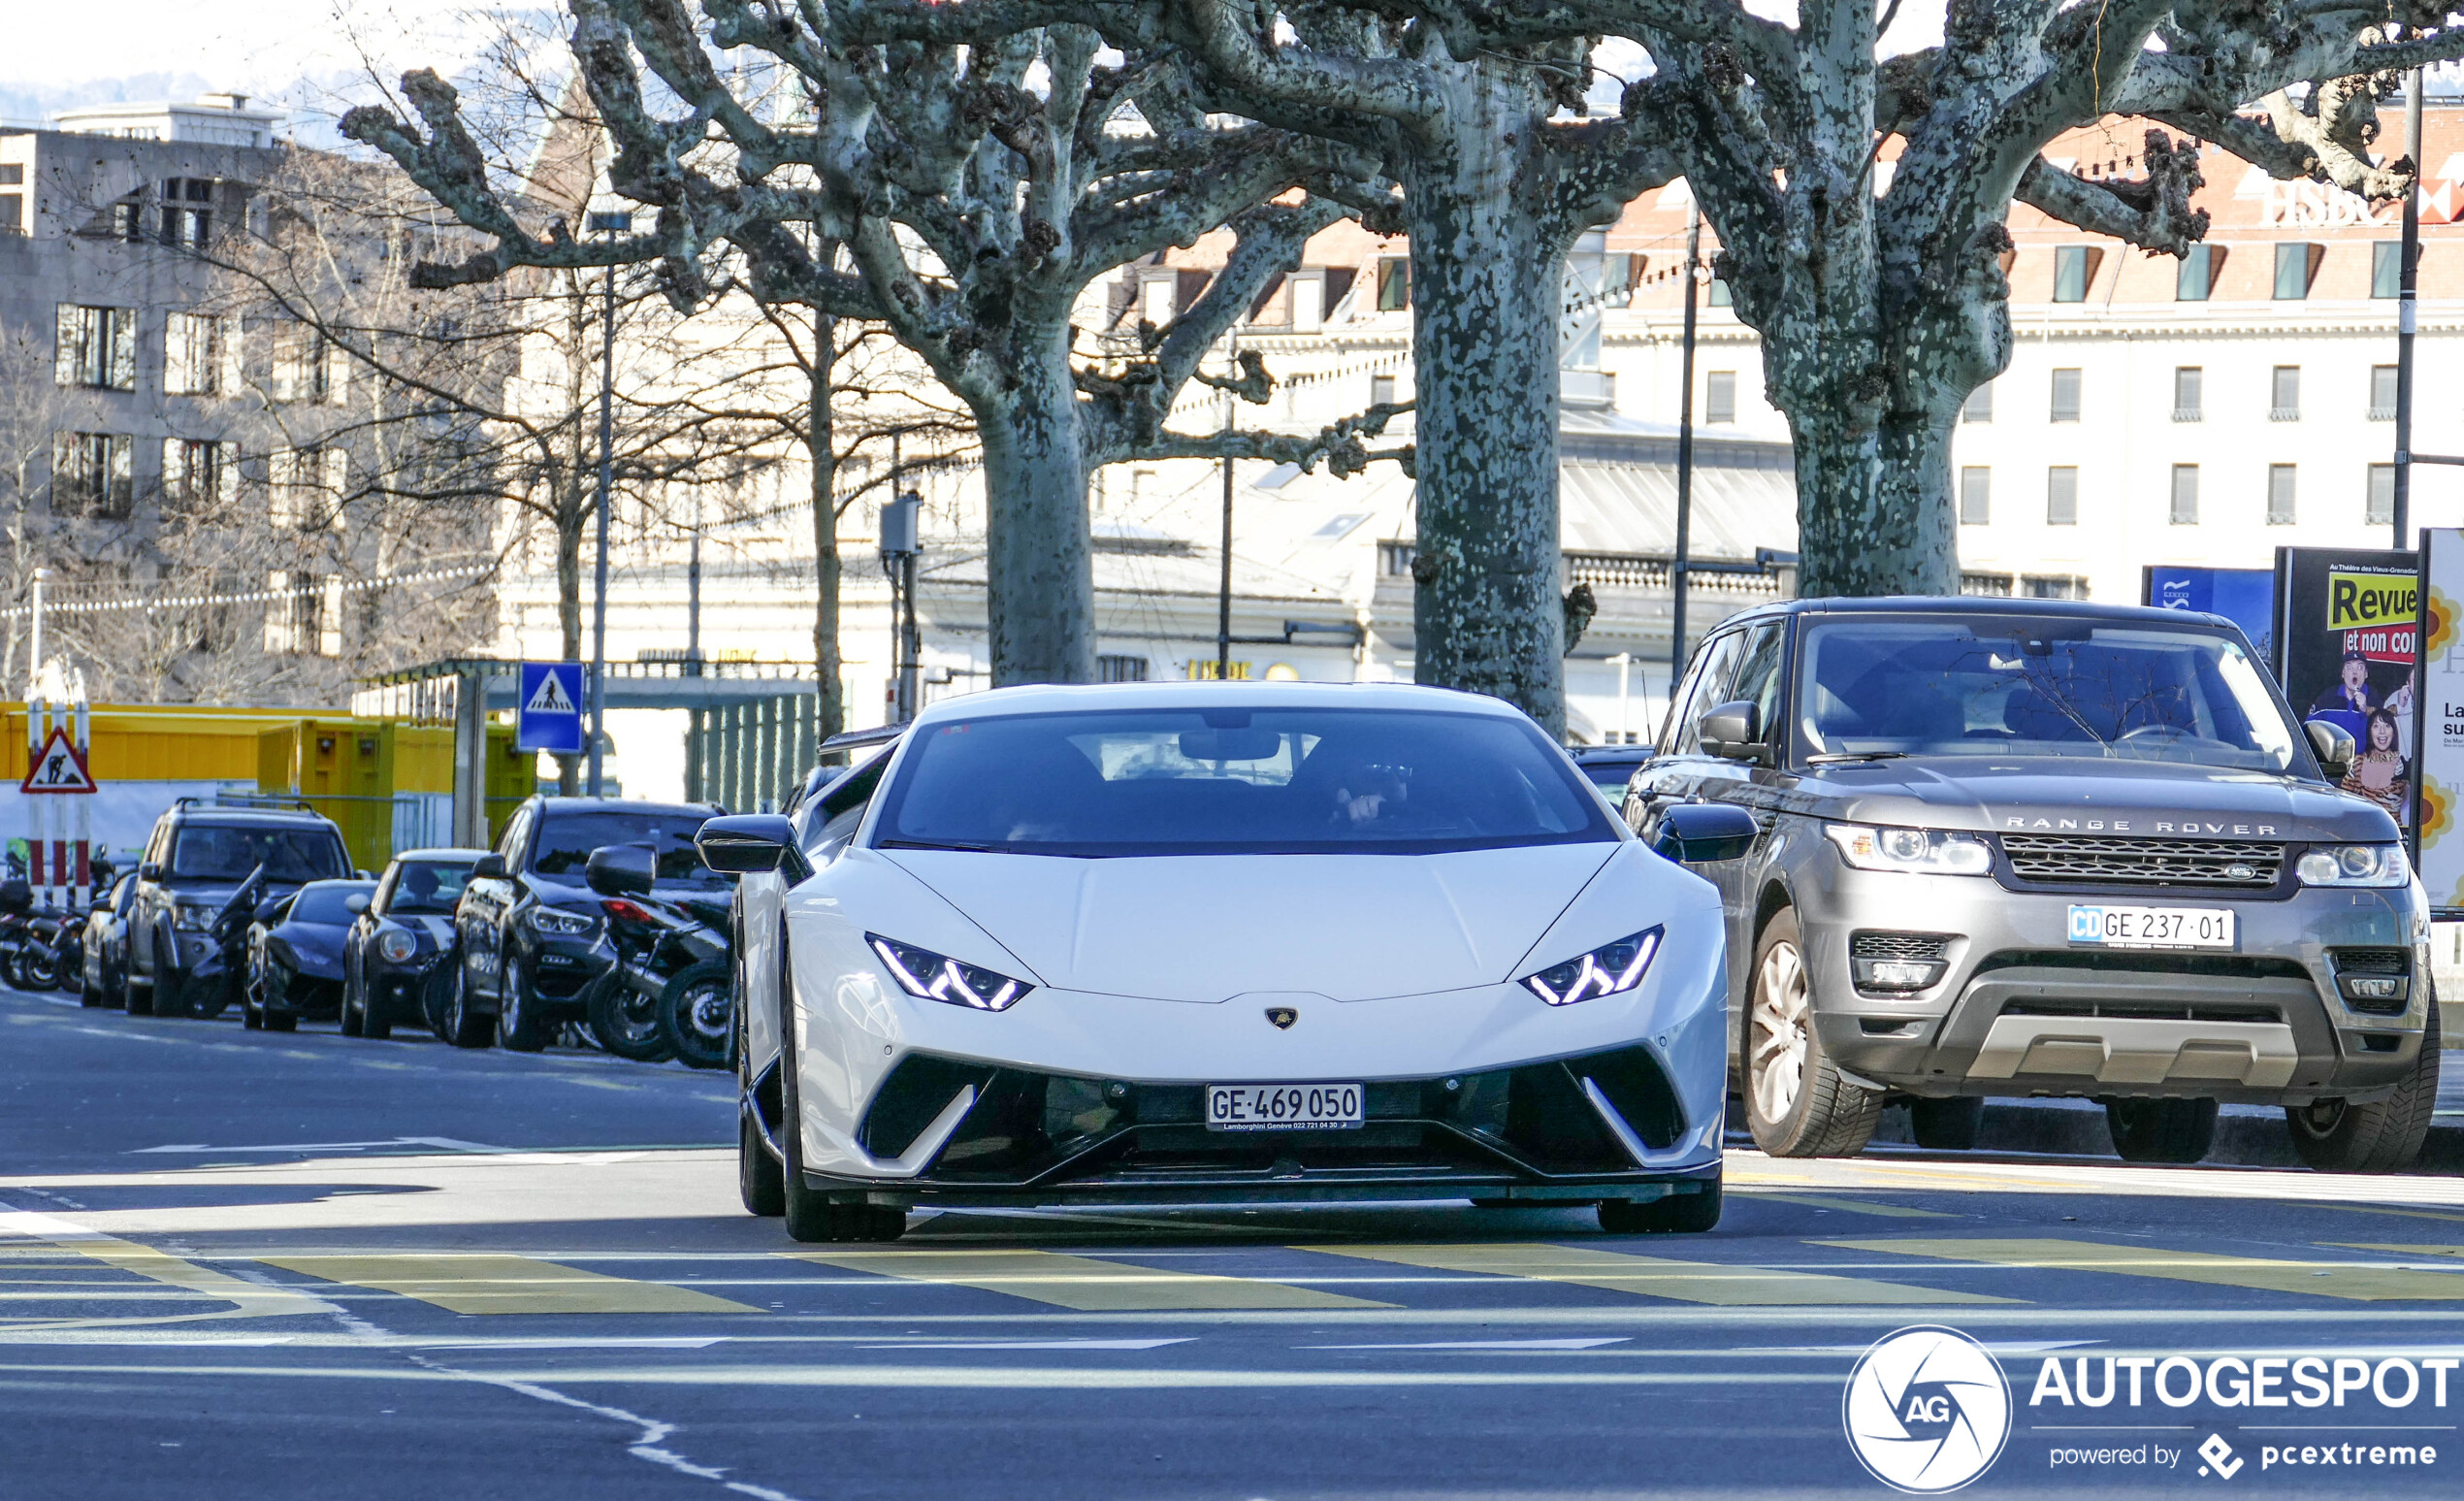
(98, 347)
(2382, 393)
(1382, 390)
(1394, 284)
(2283, 395)
(92, 475)
(2062, 499)
(1720, 295)
(12, 204)
(1394, 559)
(1111, 669)
(303, 615)
(1991, 586)
(1719, 396)
(1207, 669)
(2065, 396)
(2386, 268)
(2196, 278)
(2280, 495)
(198, 473)
(2185, 495)
(2187, 379)
(307, 490)
(2074, 268)
(187, 211)
(2379, 509)
(2056, 586)
(1979, 405)
(2295, 264)
(1976, 496)
(128, 219)
(303, 365)
(193, 354)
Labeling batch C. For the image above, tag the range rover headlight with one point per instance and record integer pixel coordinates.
(1918, 851)
(1607, 970)
(2354, 865)
(930, 976)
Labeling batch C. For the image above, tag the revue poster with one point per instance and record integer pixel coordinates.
(2345, 639)
(2440, 751)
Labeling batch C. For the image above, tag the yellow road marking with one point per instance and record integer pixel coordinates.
(2401, 1250)
(1660, 1276)
(505, 1285)
(1081, 1282)
(1854, 1206)
(2373, 1209)
(2317, 1279)
(52, 1237)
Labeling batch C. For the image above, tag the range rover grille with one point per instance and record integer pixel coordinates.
(2053, 860)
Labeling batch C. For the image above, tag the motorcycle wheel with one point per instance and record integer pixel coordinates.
(697, 1014)
(626, 1022)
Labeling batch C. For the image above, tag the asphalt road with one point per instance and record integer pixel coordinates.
(236, 1265)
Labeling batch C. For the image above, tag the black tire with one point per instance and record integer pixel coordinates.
(458, 1025)
(139, 997)
(1946, 1125)
(696, 1015)
(757, 1178)
(251, 1017)
(809, 1212)
(88, 996)
(2383, 1136)
(2161, 1130)
(1493, 1203)
(286, 1021)
(38, 968)
(1817, 1113)
(626, 1022)
(350, 1020)
(518, 1025)
(1673, 1214)
(372, 1022)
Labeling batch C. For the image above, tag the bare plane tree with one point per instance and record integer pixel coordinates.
(977, 193)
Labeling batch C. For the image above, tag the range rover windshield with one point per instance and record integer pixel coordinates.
(1237, 781)
(1998, 685)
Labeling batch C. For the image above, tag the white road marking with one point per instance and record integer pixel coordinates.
(1486, 1344)
(1034, 1344)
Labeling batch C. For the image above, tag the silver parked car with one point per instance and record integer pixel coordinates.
(2022, 847)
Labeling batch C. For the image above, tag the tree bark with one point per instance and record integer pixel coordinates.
(1039, 568)
(1485, 297)
(1874, 511)
(818, 437)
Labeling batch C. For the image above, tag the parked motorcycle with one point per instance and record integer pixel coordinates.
(17, 921)
(671, 993)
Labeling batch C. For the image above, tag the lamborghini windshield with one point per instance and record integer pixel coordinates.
(1237, 781)
(1999, 685)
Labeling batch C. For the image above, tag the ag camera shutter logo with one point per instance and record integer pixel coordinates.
(1926, 1410)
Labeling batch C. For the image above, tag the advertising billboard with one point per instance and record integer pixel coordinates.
(2438, 750)
(2244, 595)
(2345, 653)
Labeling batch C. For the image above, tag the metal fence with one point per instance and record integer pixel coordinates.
(749, 755)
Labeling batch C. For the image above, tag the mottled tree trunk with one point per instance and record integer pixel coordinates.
(1874, 509)
(818, 435)
(1040, 576)
(571, 512)
(1486, 277)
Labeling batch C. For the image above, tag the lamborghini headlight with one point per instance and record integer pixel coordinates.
(930, 976)
(1607, 970)
(1920, 851)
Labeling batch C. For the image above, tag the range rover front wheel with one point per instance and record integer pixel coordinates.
(2383, 1136)
(1796, 1103)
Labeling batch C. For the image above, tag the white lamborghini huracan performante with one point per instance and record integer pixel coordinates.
(1221, 942)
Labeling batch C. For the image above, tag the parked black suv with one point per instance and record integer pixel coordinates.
(533, 937)
(196, 858)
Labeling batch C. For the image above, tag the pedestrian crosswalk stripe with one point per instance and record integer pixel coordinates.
(52, 1237)
(1660, 1276)
(1854, 1206)
(475, 1284)
(1084, 1284)
(2317, 1279)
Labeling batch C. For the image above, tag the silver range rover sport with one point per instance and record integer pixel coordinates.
(2037, 848)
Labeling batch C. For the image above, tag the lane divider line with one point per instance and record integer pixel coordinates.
(2346, 1280)
(1084, 1283)
(1660, 1276)
(489, 1283)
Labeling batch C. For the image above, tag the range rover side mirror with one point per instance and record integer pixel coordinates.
(752, 844)
(621, 870)
(2333, 746)
(488, 867)
(1734, 731)
(1694, 833)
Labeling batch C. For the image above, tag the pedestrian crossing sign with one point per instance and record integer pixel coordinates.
(58, 769)
(550, 712)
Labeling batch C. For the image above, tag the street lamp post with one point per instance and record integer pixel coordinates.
(34, 637)
(1685, 447)
(614, 223)
(1223, 598)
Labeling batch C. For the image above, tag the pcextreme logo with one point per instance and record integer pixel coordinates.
(1926, 1410)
